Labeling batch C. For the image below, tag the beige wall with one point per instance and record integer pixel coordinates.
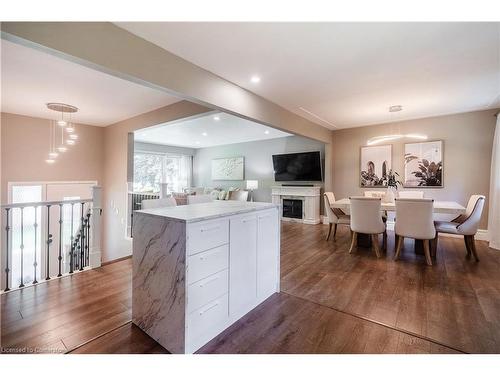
(468, 141)
(108, 48)
(25, 143)
(115, 243)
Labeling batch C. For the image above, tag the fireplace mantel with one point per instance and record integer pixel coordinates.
(310, 196)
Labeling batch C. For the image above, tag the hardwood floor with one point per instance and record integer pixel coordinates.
(64, 313)
(452, 302)
(331, 302)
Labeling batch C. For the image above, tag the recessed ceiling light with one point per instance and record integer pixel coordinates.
(266, 132)
(197, 142)
(216, 118)
(395, 108)
(255, 79)
(204, 134)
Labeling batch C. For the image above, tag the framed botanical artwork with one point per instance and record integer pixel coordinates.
(375, 164)
(228, 169)
(424, 164)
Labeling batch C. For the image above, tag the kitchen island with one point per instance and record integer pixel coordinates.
(199, 268)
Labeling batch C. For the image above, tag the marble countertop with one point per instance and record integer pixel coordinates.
(203, 211)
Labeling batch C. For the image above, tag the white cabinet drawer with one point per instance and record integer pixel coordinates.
(207, 263)
(207, 235)
(202, 292)
(201, 321)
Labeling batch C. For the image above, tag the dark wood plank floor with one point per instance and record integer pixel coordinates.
(62, 314)
(331, 302)
(455, 302)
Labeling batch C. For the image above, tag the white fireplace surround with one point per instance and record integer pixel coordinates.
(310, 196)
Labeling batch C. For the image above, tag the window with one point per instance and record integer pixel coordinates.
(151, 169)
(31, 238)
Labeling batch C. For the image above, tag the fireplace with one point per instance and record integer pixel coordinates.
(292, 208)
(299, 203)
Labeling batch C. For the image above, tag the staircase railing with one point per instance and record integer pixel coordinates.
(47, 240)
(135, 203)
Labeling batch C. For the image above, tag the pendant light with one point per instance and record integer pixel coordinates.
(62, 147)
(65, 126)
(394, 135)
(53, 154)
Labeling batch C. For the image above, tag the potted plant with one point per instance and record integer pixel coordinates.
(392, 186)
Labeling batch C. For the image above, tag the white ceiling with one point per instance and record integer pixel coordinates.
(348, 74)
(31, 78)
(228, 129)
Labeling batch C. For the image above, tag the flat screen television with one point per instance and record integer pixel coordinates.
(300, 166)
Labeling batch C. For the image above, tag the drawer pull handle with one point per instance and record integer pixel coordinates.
(209, 308)
(210, 229)
(209, 281)
(203, 257)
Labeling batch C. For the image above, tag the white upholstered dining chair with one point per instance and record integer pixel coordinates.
(374, 194)
(335, 216)
(465, 225)
(366, 219)
(203, 198)
(414, 220)
(411, 194)
(158, 203)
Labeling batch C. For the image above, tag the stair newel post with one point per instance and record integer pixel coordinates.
(95, 227)
(72, 243)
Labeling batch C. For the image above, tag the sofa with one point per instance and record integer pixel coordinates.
(216, 193)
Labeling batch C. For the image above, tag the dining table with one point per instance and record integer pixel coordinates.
(439, 207)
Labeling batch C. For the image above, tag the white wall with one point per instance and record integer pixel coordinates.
(258, 162)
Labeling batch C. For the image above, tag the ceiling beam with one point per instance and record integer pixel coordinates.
(108, 48)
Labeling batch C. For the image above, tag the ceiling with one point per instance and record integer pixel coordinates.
(207, 131)
(31, 78)
(347, 74)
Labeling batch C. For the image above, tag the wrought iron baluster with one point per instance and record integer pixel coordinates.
(21, 247)
(49, 241)
(35, 263)
(82, 238)
(77, 252)
(7, 231)
(87, 246)
(59, 258)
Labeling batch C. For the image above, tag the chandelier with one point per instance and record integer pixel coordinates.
(391, 137)
(62, 124)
